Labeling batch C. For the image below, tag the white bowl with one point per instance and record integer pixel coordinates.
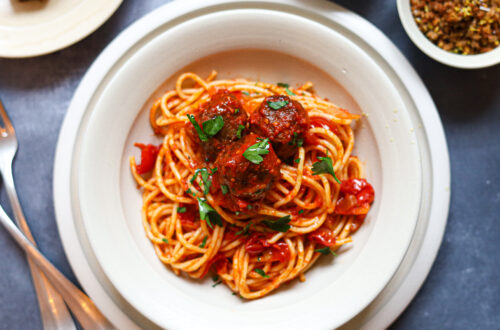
(262, 44)
(421, 41)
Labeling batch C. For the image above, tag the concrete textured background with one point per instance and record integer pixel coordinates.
(463, 288)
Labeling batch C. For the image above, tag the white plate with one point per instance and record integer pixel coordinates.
(40, 27)
(430, 49)
(86, 93)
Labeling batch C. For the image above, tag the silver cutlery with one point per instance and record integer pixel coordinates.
(52, 308)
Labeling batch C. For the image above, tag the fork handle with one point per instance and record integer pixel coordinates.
(82, 307)
(55, 315)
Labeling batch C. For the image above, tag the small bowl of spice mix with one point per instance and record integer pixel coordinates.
(459, 33)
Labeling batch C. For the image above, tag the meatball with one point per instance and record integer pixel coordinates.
(246, 181)
(284, 121)
(225, 104)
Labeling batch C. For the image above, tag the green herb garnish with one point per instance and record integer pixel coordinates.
(208, 214)
(203, 137)
(301, 211)
(224, 189)
(277, 104)
(297, 160)
(325, 165)
(280, 225)
(165, 240)
(216, 283)
(202, 245)
(181, 209)
(205, 177)
(261, 272)
(240, 130)
(254, 152)
(245, 231)
(296, 140)
(246, 93)
(213, 126)
(325, 250)
(237, 111)
(289, 92)
(190, 192)
(285, 85)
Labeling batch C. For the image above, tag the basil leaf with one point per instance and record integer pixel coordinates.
(240, 129)
(325, 165)
(203, 137)
(280, 225)
(261, 272)
(277, 104)
(208, 214)
(325, 250)
(213, 126)
(181, 209)
(224, 189)
(254, 152)
(202, 245)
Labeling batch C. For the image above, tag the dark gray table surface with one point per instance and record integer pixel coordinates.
(463, 288)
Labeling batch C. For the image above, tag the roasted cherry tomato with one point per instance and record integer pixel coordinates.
(322, 236)
(279, 252)
(148, 157)
(257, 243)
(355, 197)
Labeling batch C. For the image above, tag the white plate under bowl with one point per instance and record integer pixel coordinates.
(430, 49)
(110, 203)
(40, 27)
(393, 299)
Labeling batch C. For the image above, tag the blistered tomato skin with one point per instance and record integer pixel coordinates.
(322, 236)
(284, 126)
(227, 105)
(355, 197)
(149, 153)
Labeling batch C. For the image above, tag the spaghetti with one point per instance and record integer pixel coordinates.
(253, 181)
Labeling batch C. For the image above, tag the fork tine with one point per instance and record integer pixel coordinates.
(5, 118)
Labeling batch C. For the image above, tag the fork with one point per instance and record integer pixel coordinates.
(52, 308)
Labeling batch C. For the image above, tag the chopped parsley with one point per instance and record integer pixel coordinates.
(202, 245)
(325, 165)
(240, 130)
(237, 111)
(289, 92)
(285, 85)
(297, 160)
(254, 152)
(246, 93)
(276, 105)
(237, 212)
(216, 283)
(325, 250)
(203, 172)
(224, 189)
(301, 211)
(210, 127)
(213, 126)
(208, 214)
(165, 240)
(190, 192)
(296, 140)
(203, 137)
(280, 225)
(245, 231)
(181, 209)
(261, 272)
(249, 207)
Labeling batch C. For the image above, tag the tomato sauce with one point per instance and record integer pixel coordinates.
(149, 153)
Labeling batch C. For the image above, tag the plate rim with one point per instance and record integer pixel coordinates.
(57, 40)
(186, 6)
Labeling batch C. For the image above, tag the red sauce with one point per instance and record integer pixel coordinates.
(279, 252)
(355, 197)
(149, 153)
(323, 123)
(322, 236)
(220, 262)
(257, 243)
(190, 220)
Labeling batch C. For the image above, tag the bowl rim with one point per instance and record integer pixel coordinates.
(110, 267)
(427, 47)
